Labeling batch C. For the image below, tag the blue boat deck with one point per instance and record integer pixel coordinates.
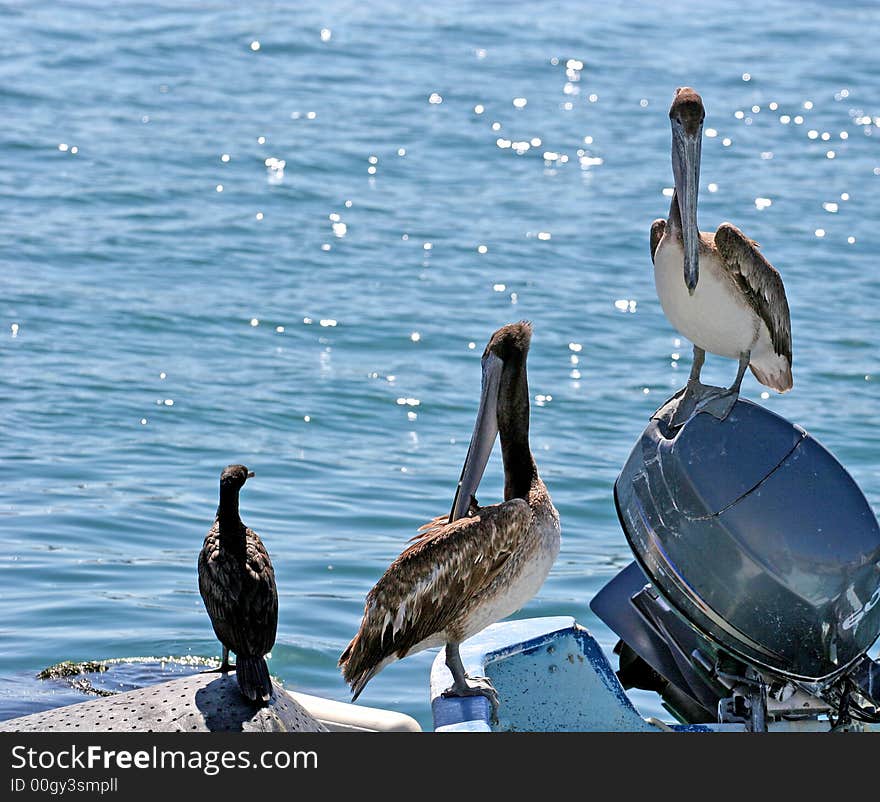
(552, 676)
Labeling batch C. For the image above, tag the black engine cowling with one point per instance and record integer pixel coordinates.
(758, 538)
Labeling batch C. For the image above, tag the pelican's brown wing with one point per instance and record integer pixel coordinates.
(426, 588)
(759, 281)
(658, 229)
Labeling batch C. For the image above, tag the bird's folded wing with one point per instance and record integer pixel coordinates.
(212, 584)
(429, 584)
(759, 280)
(260, 598)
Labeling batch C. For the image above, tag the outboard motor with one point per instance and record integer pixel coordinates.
(755, 592)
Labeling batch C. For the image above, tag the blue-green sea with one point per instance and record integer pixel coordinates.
(281, 234)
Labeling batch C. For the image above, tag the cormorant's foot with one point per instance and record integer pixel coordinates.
(226, 668)
(719, 405)
(477, 686)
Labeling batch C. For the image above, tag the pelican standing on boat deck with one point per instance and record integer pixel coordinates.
(477, 565)
(716, 289)
(237, 584)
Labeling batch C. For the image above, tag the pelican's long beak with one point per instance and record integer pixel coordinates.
(686, 167)
(482, 440)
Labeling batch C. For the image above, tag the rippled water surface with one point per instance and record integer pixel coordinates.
(282, 237)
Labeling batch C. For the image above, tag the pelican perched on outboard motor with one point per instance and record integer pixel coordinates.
(717, 289)
(755, 593)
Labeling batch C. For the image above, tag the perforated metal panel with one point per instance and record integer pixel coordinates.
(197, 703)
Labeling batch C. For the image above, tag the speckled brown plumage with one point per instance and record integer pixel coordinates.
(237, 584)
(429, 586)
(458, 576)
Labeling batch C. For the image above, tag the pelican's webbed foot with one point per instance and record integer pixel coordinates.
(718, 404)
(697, 397)
(719, 401)
(476, 686)
(463, 685)
(681, 406)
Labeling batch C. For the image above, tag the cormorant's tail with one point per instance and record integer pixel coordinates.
(252, 674)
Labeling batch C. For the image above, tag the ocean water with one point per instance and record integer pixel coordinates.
(281, 236)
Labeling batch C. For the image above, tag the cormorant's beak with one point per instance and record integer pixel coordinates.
(482, 440)
(686, 148)
(250, 474)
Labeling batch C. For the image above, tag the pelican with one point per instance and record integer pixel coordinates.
(717, 289)
(477, 565)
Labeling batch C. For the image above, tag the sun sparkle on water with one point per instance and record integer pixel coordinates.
(418, 188)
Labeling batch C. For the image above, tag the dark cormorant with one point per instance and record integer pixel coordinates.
(237, 583)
